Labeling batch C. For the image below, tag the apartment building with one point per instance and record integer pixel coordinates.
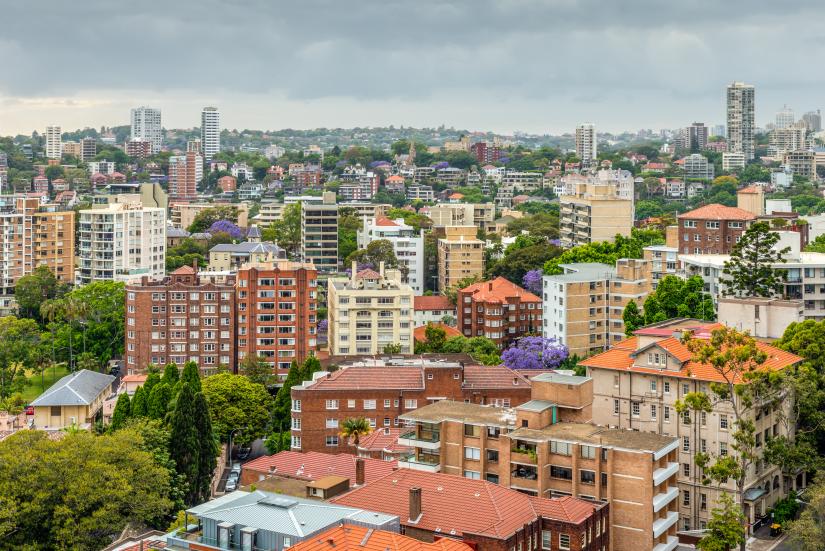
(420, 192)
(586, 144)
(368, 311)
(138, 149)
(794, 137)
(319, 233)
(801, 163)
(407, 243)
(146, 125)
(183, 214)
(230, 257)
(636, 385)
(30, 238)
(88, 149)
(596, 208)
(712, 229)
(583, 306)
(460, 254)
(121, 241)
(485, 516)
(181, 318)
(542, 448)
(482, 215)
(662, 261)
(185, 173)
(499, 310)
(732, 161)
(54, 142)
(486, 153)
(432, 309)
(383, 388)
(740, 119)
(210, 131)
(277, 305)
(697, 166)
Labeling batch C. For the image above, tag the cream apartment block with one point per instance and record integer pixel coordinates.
(636, 385)
(407, 243)
(319, 233)
(183, 214)
(368, 311)
(583, 306)
(548, 448)
(460, 254)
(595, 207)
(482, 215)
(121, 242)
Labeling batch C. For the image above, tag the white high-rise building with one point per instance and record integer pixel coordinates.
(407, 243)
(586, 144)
(54, 142)
(121, 242)
(740, 109)
(146, 125)
(210, 132)
(784, 117)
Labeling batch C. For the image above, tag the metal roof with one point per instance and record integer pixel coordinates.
(248, 247)
(536, 405)
(76, 389)
(561, 378)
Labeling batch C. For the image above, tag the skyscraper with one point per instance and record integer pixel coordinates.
(210, 132)
(185, 171)
(54, 142)
(146, 125)
(813, 120)
(740, 107)
(696, 137)
(784, 117)
(586, 144)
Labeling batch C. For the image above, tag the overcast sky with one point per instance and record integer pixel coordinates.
(483, 65)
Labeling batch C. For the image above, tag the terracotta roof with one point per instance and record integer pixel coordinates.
(384, 221)
(622, 357)
(457, 196)
(395, 178)
(383, 439)
(368, 274)
(350, 537)
(419, 333)
(435, 302)
(134, 379)
(315, 465)
(184, 270)
(497, 512)
(367, 377)
(498, 290)
(718, 212)
(493, 376)
(750, 189)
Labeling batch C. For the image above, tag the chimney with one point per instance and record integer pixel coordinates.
(359, 471)
(490, 285)
(415, 504)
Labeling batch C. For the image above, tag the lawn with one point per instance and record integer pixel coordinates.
(34, 389)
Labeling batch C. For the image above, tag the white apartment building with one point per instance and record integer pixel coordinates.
(697, 166)
(210, 132)
(368, 311)
(733, 161)
(784, 117)
(741, 119)
(146, 125)
(121, 242)
(273, 151)
(406, 242)
(586, 144)
(101, 167)
(54, 142)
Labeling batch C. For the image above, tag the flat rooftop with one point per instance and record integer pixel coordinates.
(584, 271)
(462, 412)
(585, 433)
(561, 378)
(410, 360)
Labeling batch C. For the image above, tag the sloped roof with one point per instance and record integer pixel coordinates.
(248, 247)
(174, 231)
(316, 465)
(253, 233)
(716, 211)
(384, 221)
(383, 439)
(435, 302)
(493, 376)
(184, 270)
(498, 290)
(368, 274)
(420, 333)
(80, 388)
(454, 505)
(349, 537)
(367, 377)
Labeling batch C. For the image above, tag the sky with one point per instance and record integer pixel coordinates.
(506, 65)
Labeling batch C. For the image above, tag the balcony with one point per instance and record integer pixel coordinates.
(661, 500)
(419, 464)
(660, 526)
(671, 544)
(663, 474)
(425, 440)
(525, 472)
(523, 454)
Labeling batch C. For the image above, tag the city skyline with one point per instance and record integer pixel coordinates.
(445, 68)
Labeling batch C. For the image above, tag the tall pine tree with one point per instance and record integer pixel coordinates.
(283, 400)
(191, 375)
(159, 401)
(151, 380)
(139, 407)
(750, 272)
(121, 413)
(207, 452)
(184, 447)
(171, 375)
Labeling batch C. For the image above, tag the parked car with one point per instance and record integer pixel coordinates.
(231, 484)
(236, 470)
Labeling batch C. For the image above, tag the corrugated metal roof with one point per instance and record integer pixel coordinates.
(76, 389)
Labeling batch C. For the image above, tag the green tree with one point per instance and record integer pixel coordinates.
(20, 338)
(434, 339)
(380, 250)
(100, 308)
(256, 369)
(205, 218)
(676, 297)
(139, 407)
(354, 428)
(283, 399)
(158, 403)
(392, 348)
(207, 452)
(348, 225)
(726, 527)
(452, 292)
(808, 533)
(152, 379)
(184, 447)
(191, 375)
(287, 231)
(606, 252)
(32, 290)
(171, 374)
(121, 413)
(235, 402)
(633, 319)
(79, 491)
(750, 272)
(817, 245)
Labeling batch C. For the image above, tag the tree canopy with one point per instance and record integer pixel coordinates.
(235, 402)
(751, 270)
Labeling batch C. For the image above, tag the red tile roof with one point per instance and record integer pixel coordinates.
(350, 537)
(395, 178)
(498, 290)
(384, 221)
(623, 354)
(134, 378)
(368, 377)
(456, 196)
(315, 465)
(493, 376)
(716, 211)
(383, 439)
(454, 505)
(750, 189)
(368, 274)
(435, 302)
(184, 270)
(420, 333)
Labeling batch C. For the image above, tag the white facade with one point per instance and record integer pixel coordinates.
(784, 117)
(586, 144)
(210, 132)
(101, 167)
(54, 142)
(121, 242)
(741, 119)
(733, 161)
(273, 151)
(146, 125)
(406, 242)
(697, 166)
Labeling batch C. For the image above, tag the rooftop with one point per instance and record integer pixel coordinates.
(499, 290)
(348, 537)
(80, 388)
(561, 378)
(585, 433)
(249, 247)
(316, 465)
(383, 439)
(419, 333)
(462, 412)
(435, 302)
(583, 272)
(716, 211)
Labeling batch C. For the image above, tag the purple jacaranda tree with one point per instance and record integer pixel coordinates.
(442, 164)
(323, 325)
(227, 227)
(535, 353)
(532, 281)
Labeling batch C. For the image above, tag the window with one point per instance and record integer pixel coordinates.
(332, 423)
(587, 452)
(296, 442)
(475, 475)
(653, 411)
(546, 539)
(296, 405)
(667, 414)
(472, 430)
(686, 469)
(704, 418)
(332, 440)
(686, 417)
(686, 498)
(604, 479)
(685, 443)
(616, 381)
(296, 423)
(723, 422)
(472, 453)
(703, 502)
(666, 386)
(559, 448)
(350, 403)
(635, 408)
(492, 456)
(387, 403)
(369, 404)
(561, 472)
(723, 448)
(587, 477)
(615, 407)
(703, 445)
(564, 541)
(332, 404)
(653, 386)
(410, 404)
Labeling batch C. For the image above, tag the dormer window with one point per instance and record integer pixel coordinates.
(656, 358)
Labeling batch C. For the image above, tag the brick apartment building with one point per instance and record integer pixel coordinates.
(277, 311)
(712, 229)
(381, 389)
(498, 310)
(486, 516)
(548, 448)
(180, 318)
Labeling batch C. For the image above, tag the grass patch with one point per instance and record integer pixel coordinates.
(34, 389)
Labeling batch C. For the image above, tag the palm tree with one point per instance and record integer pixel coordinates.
(354, 428)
